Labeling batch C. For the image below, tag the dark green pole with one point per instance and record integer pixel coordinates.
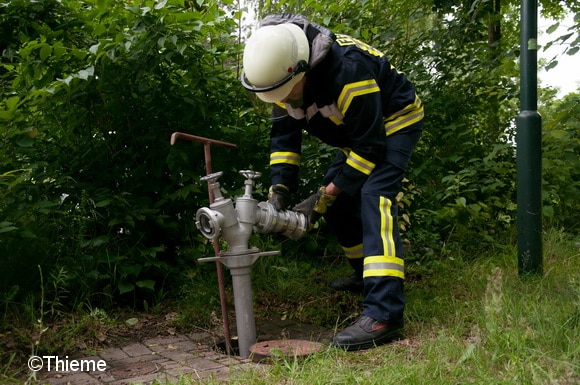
(529, 148)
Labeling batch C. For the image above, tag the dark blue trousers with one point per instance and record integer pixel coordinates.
(366, 227)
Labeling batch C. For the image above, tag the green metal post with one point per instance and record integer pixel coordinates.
(529, 148)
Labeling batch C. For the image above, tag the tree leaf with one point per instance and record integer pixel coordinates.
(146, 284)
(45, 51)
(6, 227)
(125, 287)
(553, 27)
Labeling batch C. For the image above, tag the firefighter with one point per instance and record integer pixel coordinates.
(347, 94)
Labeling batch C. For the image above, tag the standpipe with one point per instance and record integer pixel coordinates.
(235, 224)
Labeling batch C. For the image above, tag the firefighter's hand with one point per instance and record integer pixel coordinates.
(278, 196)
(315, 205)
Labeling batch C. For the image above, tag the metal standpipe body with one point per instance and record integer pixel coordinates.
(236, 225)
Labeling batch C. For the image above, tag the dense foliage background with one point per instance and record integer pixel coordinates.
(97, 206)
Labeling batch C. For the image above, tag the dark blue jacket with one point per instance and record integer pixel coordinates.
(353, 99)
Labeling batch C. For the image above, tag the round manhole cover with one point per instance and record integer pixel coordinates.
(289, 348)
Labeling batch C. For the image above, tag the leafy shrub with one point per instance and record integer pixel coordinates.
(560, 162)
(90, 180)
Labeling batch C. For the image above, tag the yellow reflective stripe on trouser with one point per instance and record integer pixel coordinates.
(354, 252)
(359, 163)
(285, 157)
(351, 90)
(388, 264)
(383, 266)
(410, 114)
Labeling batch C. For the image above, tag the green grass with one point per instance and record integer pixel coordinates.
(469, 321)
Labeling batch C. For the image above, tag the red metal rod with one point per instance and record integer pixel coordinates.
(201, 139)
(216, 248)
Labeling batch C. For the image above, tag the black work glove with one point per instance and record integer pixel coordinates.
(278, 196)
(315, 205)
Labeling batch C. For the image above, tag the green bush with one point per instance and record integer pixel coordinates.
(561, 162)
(89, 178)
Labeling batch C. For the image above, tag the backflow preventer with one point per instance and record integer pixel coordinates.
(235, 225)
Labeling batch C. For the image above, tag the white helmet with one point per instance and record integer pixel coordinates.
(275, 59)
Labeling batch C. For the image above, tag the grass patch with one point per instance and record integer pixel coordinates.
(469, 320)
(473, 321)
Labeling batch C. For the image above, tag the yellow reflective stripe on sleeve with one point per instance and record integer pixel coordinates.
(285, 157)
(280, 104)
(403, 121)
(383, 266)
(410, 114)
(351, 90)
(416, 105)
(353, 252)
(359, 163)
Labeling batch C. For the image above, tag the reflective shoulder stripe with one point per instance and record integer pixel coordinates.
(351, 90)
(345, 40)
(285, 157)
(296, 113)
(359, 163)
(353, 252)
(329, 111)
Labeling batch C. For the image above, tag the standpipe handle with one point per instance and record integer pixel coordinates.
(213, 177)
(250, 174)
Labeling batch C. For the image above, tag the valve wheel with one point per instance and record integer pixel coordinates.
(250, 174)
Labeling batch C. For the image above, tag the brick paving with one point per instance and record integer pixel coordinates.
(166, 359)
